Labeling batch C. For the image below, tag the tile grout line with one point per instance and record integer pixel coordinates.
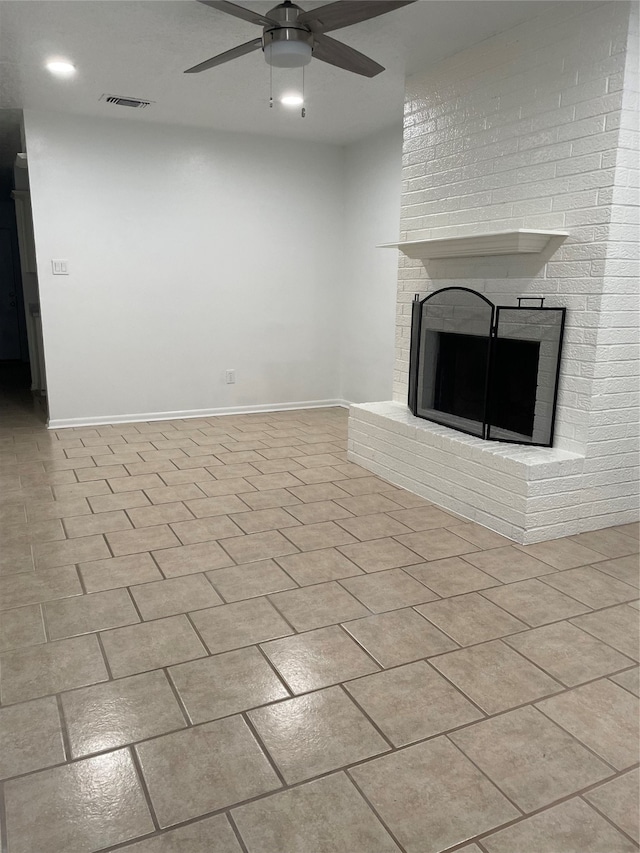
(70, 762)
(45, 625)
(601, 758)
(527, 629)
(198, 635)
(98, 635)
(280, 678)
(528, 626)
(233, 561)
(392, 609)
(520, 655)
(346, 772)
(264, 750)
(365, 714)
(621, 672)
(157, 565)
(586, 629)
(294, 630)
(428, 660)
(562, 800)
(543, 579)
(178, 697)
(133, 602)
(495, 785)
(345, 632)
(135, 758)
(4, 830)
(485, 714)
(215, 589)
(311, 586)
(605, 816)
(64, 730)
(236, 831)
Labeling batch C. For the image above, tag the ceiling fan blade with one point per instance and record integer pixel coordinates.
(238, 12)
(234, 53)
(335, 53)
(346, 12)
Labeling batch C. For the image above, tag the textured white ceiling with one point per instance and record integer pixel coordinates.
(141, 47)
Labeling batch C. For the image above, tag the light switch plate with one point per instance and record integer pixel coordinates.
(59, 267)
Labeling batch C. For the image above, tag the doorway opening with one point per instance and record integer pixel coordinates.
(19, 370)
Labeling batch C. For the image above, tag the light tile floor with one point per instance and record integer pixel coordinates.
(218, 635)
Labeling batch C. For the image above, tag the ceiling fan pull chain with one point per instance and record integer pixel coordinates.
(303, 111)
(271, 87)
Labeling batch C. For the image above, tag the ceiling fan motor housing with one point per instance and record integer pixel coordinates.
(291, 36)
(288, 45)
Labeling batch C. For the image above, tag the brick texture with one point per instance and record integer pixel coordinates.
(537, 128)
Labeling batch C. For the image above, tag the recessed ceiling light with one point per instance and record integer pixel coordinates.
(60, 68)
(292, 100)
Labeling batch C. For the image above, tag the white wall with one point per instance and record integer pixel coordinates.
(189, 252)
(373, 182)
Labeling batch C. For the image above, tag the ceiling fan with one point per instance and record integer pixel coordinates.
(291, 36)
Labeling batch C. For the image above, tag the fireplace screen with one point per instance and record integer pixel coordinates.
(485, 370)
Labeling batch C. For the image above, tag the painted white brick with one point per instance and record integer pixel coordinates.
(601, 68)
(571, 201)
(463, 473)
(599, 106)
(589, 91)
(533, 128)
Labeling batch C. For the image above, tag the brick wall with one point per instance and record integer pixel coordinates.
(611, 467)
(537, 128)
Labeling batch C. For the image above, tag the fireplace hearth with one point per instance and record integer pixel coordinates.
(486, 370)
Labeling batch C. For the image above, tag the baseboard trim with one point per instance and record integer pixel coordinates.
(66, 423)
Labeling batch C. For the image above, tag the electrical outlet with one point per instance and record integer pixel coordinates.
(231, 377)
(59, 267)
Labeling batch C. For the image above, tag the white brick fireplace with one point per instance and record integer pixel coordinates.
(535, 128)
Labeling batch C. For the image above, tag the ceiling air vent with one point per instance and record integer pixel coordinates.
(136, 103)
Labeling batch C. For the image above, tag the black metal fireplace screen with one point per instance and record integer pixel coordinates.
(490, 371)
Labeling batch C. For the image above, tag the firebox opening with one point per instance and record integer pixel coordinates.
(461, 372)
(514, 382)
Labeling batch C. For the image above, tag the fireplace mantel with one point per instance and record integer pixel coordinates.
(520, 241)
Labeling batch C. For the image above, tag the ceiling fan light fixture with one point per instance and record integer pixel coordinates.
(292, 99)
(287, 54)
(60, 68)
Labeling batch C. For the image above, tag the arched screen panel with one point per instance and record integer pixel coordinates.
(450, 360)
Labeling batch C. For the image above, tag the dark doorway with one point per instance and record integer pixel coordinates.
(10, 301)
(14, 347)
